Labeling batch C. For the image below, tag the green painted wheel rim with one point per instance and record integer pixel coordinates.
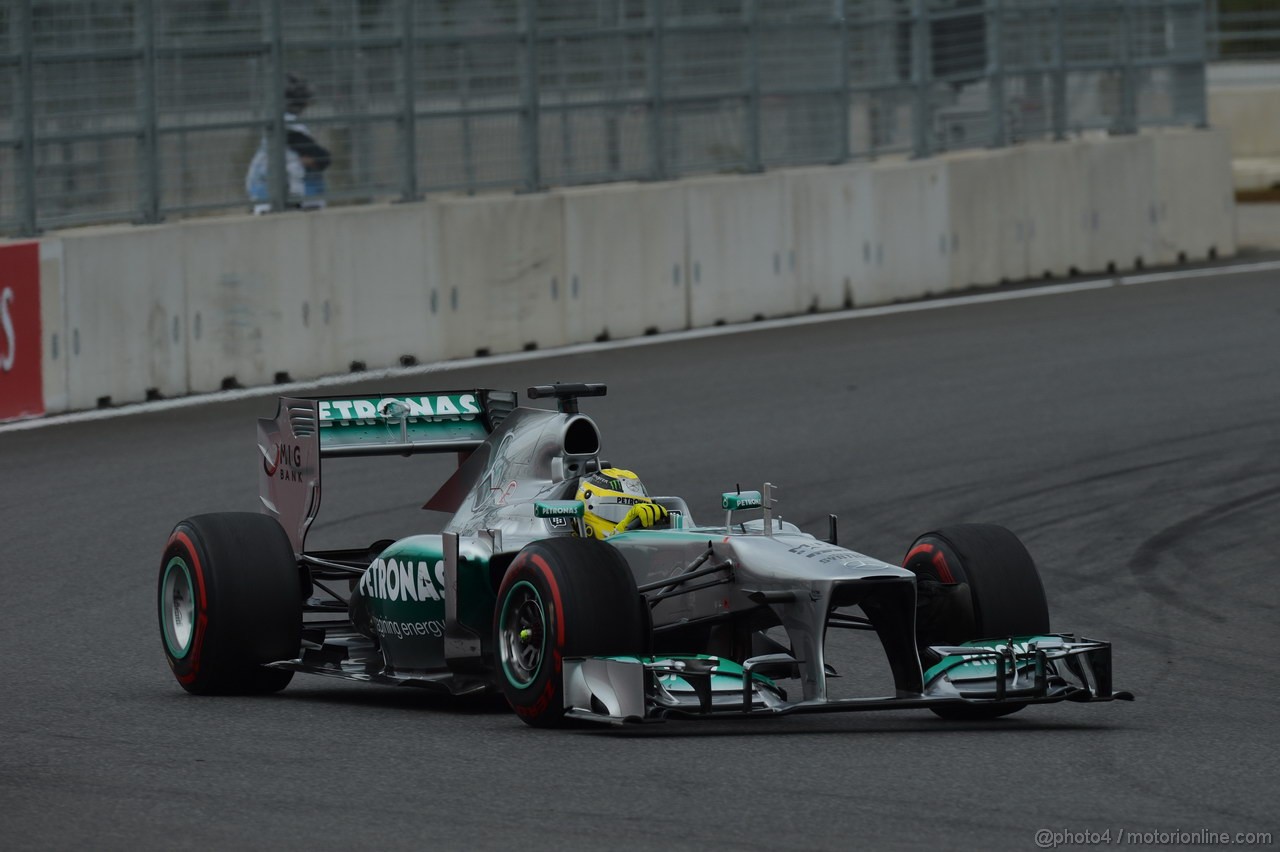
(177, 608)
(522, 634)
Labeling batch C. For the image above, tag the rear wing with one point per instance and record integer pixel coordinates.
(410, 423)
(308, 429)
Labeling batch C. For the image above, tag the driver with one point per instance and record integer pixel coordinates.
(615, 501)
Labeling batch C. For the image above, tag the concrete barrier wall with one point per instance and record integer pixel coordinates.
(1057, 220)
(740, 251)
(1194, 195)
(504, 254)
(1122, 204)
(196, 306)
(833, 234)
(912, 224)
(123, 306)
(55, 358)
(989, 220)
(251, 295)
(377, 269)
(626, 260)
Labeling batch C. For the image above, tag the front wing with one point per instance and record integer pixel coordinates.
(1018, 670)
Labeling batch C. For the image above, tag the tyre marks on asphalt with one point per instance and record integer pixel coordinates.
(1158, 551)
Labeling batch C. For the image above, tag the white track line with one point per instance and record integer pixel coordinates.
(289, 388)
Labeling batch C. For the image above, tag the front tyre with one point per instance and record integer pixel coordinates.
(561, 597)
(974, 581)
(229, 598)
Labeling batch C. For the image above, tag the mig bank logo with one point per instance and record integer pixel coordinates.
(286, 464)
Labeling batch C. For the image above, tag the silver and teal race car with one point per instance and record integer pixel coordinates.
(716, 617)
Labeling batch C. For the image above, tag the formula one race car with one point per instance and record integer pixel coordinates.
(518, 595)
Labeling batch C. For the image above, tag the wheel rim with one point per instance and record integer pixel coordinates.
(522, 634)
(177, 607)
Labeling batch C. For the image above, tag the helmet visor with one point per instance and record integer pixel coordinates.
(629, 485)
(613, 509)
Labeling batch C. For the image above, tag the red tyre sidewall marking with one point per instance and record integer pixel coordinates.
(539, 705)
(944, 570)
(939, 561)
(202, 619)
(917, 550)
(555, 598)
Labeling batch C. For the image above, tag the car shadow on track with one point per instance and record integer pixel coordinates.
(401, 698)
(847, 727)
(853, 724)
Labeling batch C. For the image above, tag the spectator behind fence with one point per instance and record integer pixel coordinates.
(305, 158)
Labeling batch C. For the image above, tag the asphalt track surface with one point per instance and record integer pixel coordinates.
(1130, 435)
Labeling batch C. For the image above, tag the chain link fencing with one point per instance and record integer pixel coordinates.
(142, 110)
(1244, 30)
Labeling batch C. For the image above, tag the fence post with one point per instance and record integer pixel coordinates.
(1185, 21)
(566, 115)
(149, 159)
(921, 79)
(532, 119)
(842, 132)
(657, 92)
(752, 163)
(1201, 73)
(27, 225)
(1127, 121)
(1212, 29)
(1059, 71)
(616, 86)
(995, 73)
(408, 114)
(464, 101)
(277, 164)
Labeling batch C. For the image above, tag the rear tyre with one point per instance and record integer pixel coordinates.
(974, 581)
(230, 599)
(561, 597)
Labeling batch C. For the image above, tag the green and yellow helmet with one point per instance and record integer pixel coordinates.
(608, 496)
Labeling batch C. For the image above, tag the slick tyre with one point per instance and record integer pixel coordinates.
(974, 581)
(229, 599)
(561, 597)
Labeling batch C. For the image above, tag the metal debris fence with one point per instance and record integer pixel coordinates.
(142, 110)
(1243, 30)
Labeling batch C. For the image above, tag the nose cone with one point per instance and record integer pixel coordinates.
(802, 557)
